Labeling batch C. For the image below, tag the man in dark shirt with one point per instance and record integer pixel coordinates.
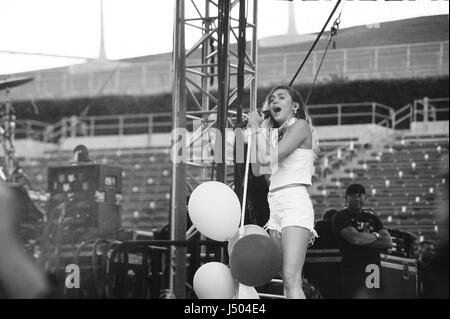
(326, 239)
(361, 237)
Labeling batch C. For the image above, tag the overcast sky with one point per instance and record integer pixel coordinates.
(58, 29)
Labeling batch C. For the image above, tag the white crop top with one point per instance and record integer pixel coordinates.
(297, 167)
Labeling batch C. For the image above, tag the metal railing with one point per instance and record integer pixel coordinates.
(149, 123)
(426, 109)
(422, 110)
(418, 59)
(30, 129)
(403, 115)
(390, 61)
(352, 113)
(119, 125)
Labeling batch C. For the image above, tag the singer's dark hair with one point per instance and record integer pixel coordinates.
(296, 97)
(301, 112)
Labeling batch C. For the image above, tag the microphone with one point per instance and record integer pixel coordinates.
(244, 123)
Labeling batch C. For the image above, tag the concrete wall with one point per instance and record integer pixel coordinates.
(114, 141)
(32, 149)
(429, 128)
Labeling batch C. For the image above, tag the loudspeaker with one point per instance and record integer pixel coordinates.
(85, 198)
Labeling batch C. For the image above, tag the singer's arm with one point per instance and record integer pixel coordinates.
(260, 162)
(260, 147)
(268, 155)
(295, 136)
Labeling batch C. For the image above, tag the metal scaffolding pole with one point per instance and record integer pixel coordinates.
(177, 275)
(223, 47)
(211, 75)
(239, 167)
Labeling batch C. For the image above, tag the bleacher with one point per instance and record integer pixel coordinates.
(404, 182)
(146, 181)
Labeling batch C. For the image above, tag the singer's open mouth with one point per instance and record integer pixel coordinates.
(276, 109)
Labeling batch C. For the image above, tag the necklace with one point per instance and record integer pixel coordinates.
(283, 128)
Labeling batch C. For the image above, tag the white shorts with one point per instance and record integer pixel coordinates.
(291, 207)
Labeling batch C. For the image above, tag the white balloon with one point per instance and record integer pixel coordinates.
(213, 280)
(246, 292)
(215, 210)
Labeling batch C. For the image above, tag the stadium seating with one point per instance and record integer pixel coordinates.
(146, 181)
(403, 182)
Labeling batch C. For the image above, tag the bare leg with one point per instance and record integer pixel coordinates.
(276, 236)
(294, 244)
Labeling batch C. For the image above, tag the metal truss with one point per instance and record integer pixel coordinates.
(211, 69)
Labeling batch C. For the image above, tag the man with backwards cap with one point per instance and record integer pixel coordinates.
(361, 237)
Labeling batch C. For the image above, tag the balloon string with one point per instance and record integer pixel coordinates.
(237, 290)
(247, 164)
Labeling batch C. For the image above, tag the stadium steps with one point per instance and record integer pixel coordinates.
(407, 201)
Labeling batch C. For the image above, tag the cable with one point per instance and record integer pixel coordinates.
(109, 286)
(315, 42)
(333, 33)
(94, 265)
(78, 251)
(106, 267)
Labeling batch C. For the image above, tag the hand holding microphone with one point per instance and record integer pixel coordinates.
(255, 118)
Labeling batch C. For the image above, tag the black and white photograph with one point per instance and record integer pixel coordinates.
(228, 153)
